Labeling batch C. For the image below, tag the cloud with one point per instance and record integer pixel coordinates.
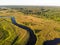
(30, 2)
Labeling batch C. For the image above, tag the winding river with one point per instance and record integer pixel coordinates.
(32, 39)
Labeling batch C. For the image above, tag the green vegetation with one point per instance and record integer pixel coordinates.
(45, 12)
(8, 33)
(44, 21)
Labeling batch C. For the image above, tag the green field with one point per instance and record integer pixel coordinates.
(9, 32)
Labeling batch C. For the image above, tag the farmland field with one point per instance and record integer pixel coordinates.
(44, 22)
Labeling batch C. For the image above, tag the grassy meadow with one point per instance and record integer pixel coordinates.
(44, 21)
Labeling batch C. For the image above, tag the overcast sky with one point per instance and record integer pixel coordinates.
(31, 2)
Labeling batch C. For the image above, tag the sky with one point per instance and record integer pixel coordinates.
(31, 2)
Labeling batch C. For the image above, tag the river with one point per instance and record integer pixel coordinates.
(32, 39)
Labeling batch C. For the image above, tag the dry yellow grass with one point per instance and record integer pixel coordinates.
(50, 29)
